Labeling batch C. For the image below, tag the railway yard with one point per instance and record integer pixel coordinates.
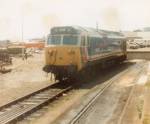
(117, 96)
(74, 62)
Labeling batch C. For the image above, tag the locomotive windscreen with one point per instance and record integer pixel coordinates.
(70, 40)
(54, 40)
(63, 40)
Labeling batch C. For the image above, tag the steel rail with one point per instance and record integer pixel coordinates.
(24, 106)
(78, 116)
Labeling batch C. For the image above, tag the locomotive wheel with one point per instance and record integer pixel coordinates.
(59, 77)
(83, 75)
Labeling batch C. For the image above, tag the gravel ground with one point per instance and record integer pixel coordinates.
(107, 107)
(137, 110)
(56, 110)
(62, 110)
(25, 77)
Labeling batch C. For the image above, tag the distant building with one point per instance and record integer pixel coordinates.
(35, 43)
(144, 33)
(146, 29)
(130, 35)
(4, 43)
(39, 45)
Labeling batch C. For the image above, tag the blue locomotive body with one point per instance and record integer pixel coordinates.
(72, 49)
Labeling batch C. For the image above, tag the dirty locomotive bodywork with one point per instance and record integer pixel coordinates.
(70, 50)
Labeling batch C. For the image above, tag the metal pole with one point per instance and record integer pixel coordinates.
(22, 33)
(97, 26)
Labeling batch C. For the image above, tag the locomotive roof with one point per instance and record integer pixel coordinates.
(113, 34)
(90, 31)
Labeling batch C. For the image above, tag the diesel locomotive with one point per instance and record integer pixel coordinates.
(70, 50)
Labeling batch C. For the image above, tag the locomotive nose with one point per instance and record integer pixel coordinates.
(71, 52)
(52, 51)
(59, 55)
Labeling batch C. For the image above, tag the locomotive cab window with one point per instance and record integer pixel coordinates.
(70, 40)
(54, 40)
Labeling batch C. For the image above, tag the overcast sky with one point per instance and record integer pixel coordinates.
(37, 16)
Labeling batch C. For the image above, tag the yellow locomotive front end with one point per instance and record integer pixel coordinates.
(62, 54)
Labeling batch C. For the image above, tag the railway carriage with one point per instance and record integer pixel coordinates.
(70, 50)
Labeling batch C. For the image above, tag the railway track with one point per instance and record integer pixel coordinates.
(22, 107)
(76, 119)
(126, 105)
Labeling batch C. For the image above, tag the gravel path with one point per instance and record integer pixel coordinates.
(26, 76)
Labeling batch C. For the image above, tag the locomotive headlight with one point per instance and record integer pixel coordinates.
(71, 62)
(71, 51)
(50, 52)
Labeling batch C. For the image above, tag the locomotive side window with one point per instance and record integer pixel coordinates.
(95, 45)
(70, 40)
(88, 45)
(114, 45)
(88, 42)
(82, 40)
(54, 40)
